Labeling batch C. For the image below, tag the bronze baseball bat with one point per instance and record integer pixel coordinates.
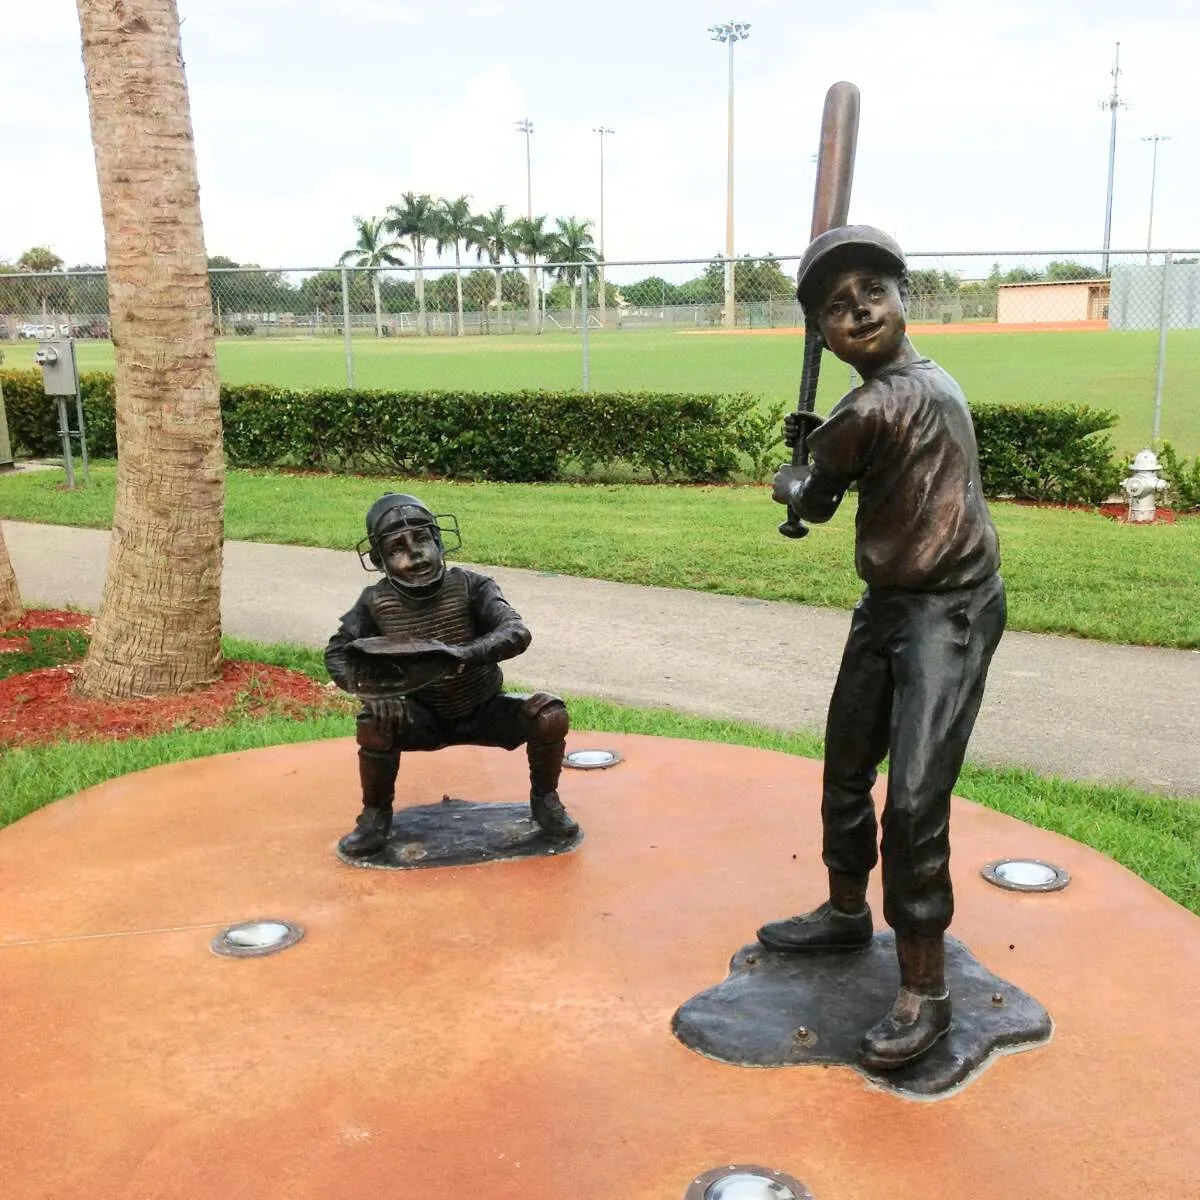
(831, 204)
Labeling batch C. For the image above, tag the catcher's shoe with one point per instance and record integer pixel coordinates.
(548, 813)
(370, 833)
(825, 928)
(914, 1026)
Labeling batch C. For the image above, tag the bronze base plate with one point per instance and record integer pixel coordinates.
(776, 1009)
(459, 833)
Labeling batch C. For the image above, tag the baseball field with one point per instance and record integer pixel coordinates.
(1092, 366)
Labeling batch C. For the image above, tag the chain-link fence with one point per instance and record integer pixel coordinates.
(1117, 330)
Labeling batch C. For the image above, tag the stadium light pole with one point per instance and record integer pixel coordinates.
(602, 130)
(1112, 104)
(1155, 138)
(730, 32)
(525, 126)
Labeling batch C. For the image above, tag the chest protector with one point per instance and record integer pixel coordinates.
(443, 617)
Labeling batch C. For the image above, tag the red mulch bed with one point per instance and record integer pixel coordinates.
(39, 706)
(1120, 512)
(1117, 511)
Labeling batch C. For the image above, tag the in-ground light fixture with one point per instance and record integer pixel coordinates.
(591, 760)
(739, 1182)
(1026, 875)
(254, 939)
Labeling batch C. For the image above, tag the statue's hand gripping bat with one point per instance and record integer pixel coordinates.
(831, 203)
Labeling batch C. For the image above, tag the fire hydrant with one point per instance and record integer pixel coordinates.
(1143, 486)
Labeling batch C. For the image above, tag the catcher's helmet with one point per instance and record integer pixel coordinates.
(841, 247)
(398, 510)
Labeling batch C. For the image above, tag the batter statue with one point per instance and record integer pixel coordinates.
(420, 649)
(921, 638)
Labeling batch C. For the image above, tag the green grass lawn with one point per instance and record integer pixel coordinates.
(1105, 370)
(1069, 572)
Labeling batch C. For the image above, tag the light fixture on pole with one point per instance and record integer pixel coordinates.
(1112, 104)
(1155, 138)
(602, 130)
(729, 33)
(525, 126)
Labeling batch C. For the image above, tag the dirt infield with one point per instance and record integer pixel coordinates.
(921, 330)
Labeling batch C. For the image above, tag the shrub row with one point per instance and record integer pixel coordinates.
(511, 436)
(1054, 454)
(33, 416)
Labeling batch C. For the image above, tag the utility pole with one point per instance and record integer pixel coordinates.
(525, 126)
(602, 130)
(729, 33)
(1155, 138)
(1112, 104)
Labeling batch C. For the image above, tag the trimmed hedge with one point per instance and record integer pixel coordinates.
(511, 436)
(1056, 454)
(33, 416)
(1046, 453)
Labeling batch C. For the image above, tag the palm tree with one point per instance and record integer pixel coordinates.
(456, 227)
(41, 260)
(534, 241)
(373, 249)
(415, 218)
(573, 248)
(159, 627)
(496, 237)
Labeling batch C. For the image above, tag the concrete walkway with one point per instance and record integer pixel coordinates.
(1062, 706)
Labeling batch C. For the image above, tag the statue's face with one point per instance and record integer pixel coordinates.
(411, 556)
(862, 318)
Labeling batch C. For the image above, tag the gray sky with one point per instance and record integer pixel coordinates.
(981, 122)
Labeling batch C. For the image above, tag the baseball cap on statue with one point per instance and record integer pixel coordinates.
(843, 246)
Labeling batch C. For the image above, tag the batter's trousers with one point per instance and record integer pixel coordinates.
(909, 689)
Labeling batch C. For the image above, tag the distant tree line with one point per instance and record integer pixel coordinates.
(754, 279)
(30, 285)
(931, 282)
(559, 253)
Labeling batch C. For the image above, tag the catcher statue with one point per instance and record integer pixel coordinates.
(420, 649)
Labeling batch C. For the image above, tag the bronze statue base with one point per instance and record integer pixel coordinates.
(775, 1009)
(458, 833)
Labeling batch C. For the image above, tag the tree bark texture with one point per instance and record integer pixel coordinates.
(159, 626)
(10, 595)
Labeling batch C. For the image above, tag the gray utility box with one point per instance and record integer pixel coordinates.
(57, 360)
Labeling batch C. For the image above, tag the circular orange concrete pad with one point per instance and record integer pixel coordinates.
(503, 1031)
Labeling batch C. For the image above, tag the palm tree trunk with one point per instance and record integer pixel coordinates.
(159, 628)
(421, 327)
(533, 304)
(499, 297)
(572, 305)
(10, 595)
(378, 304)
(458, 287)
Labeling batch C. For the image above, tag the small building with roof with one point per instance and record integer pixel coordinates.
(1052, 301)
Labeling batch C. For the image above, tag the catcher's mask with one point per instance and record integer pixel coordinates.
(398, 511)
